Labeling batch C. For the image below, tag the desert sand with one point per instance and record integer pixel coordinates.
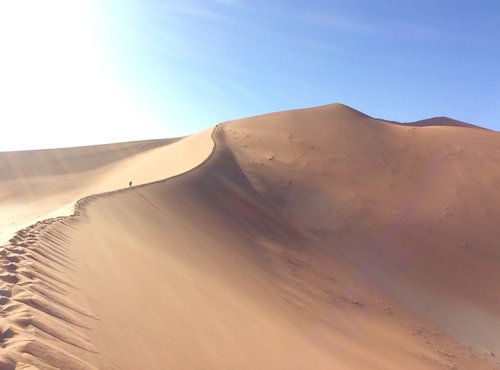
(39, 184)
(319, 238)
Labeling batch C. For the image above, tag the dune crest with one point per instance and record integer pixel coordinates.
(40, 184)
(318, 238)
(443, 121)
(42, 327)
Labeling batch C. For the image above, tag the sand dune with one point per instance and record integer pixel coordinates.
(40, 184)
(309, 239)
(442, 121)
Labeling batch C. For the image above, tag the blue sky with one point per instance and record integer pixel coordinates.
(113, 70)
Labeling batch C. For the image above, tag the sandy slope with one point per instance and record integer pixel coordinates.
(38, 184)
(311, 239)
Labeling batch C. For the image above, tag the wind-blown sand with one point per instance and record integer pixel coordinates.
(310, 239)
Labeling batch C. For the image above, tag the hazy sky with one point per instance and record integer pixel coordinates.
(81, 72)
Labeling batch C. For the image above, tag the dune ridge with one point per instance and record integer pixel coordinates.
(37, 317)
(40, 184)
(306, 239)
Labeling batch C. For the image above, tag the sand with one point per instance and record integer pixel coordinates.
(309, 239)
(40, 184)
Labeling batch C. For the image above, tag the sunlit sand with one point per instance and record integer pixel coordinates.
(310, 239)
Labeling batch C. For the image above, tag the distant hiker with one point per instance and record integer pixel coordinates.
(130, 184)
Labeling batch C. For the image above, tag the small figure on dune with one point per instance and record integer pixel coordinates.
(130, 184)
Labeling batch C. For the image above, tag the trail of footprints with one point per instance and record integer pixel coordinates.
(37, 322)
(39, 325)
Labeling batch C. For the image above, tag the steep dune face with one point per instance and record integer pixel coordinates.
(317, 238)
(414, 209)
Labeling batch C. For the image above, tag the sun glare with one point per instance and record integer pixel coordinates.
(57, 83)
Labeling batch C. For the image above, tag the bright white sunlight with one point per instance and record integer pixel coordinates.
(59, 84)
